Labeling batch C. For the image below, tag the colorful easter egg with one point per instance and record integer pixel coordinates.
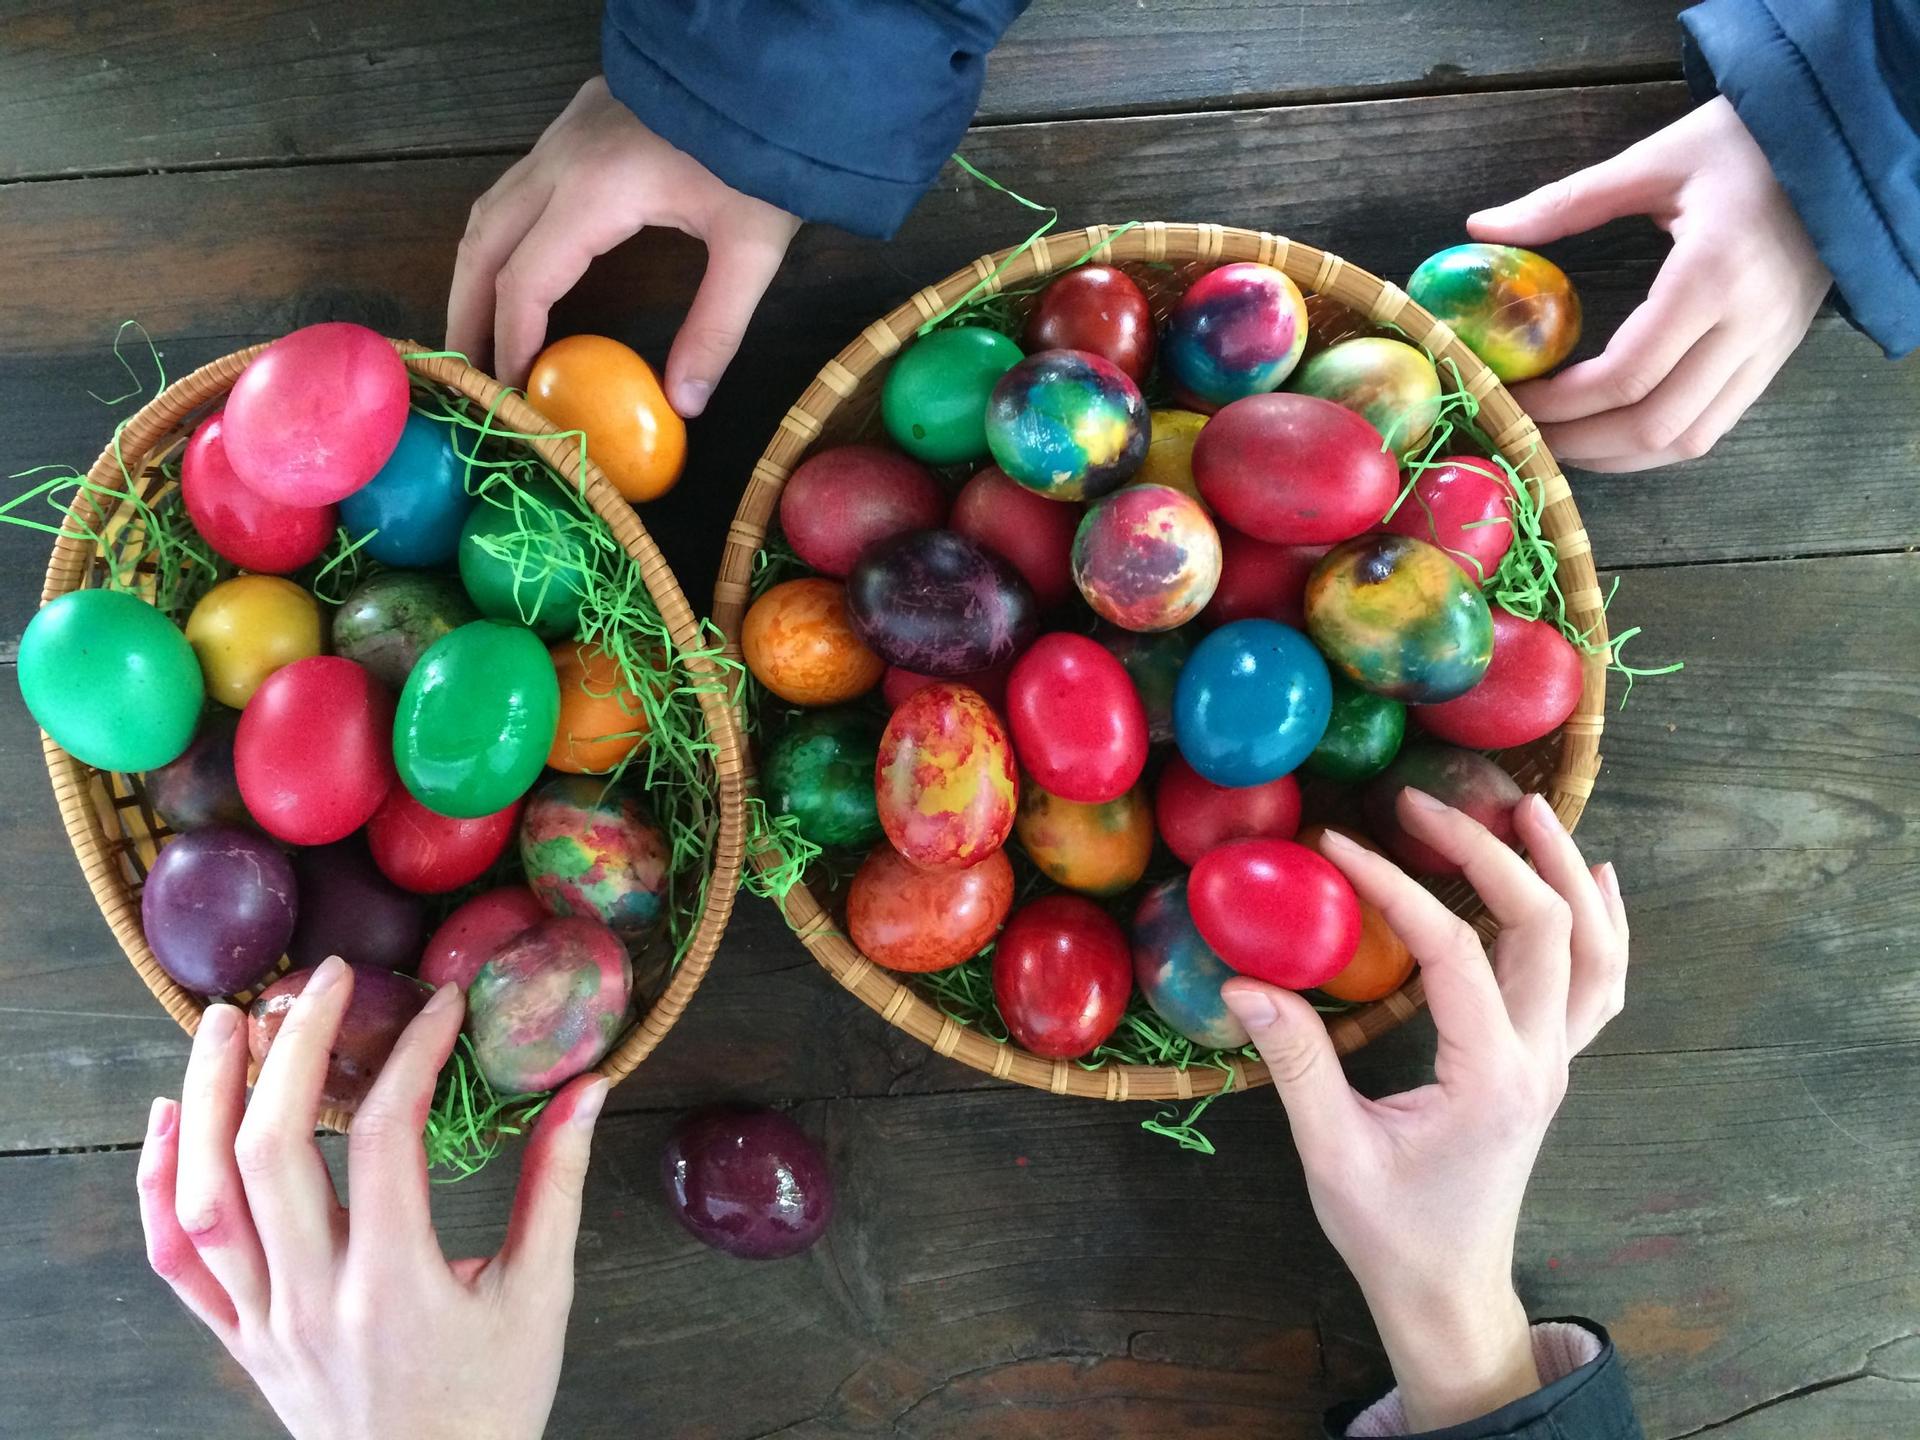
(241, 524)
(348, 908)
(602, 719)
(392, 618)
(1387, 383)
(411, 513)
(1516, 310)
(599, 387)
(1062, 976)
(1464, 507)
(1329, 322)
(468, 937)
(1100, 310)
(591, 849)
(548, 1004)
(111, 679)
(1030, 532)
(1294, 470)
(431, 854)
(937, 603)
(218, 908)
(244, 629)
(380, 1008)
(476, 719)
(945, 779)
(1178, 974)
(1078, 726)
(1194, 814)
(315, 415)
(1169, 459)
(1363, 734)
(800, 643)
(1152, 660)
(1098, 849)
(1276, 911)
(1067, 425)
(1261, 581)
(314, 750)
(934, 399)
(747, 1182)
(914, 920)
(1397, 617)
(199, 788)
(839, 501)
(523, 552)
(820, 771)
(898, 684)
(1252, 703)
(1239, 330)
(1381, 962)
(1532, 684)
(1147, 558)
(1469, 782)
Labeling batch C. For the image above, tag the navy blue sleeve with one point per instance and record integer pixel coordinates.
(840, 111)
(1831, 92)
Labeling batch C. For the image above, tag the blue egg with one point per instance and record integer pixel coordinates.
(417, 503)
(1178, 974)
(1252, 702)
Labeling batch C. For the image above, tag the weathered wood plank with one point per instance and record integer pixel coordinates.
(249, 82)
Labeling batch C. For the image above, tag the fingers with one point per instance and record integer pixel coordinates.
(1640, 180)
(169, 1251)
(548, 262)
(1645, 431)
(538, 1253)
(1748, 384)
(496, 225)
(288, 1189)
(209, 1199)
(741, 265)
(1599, 966)
(1321, 1107)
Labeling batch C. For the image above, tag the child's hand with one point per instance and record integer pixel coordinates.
(353, 1324)
(1732, 300)
(1421, 1192)
(596, 177)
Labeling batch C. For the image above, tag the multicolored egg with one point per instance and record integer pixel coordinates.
(1396, 616)
(1152, 660)
(934, 400)
(1363, 734)
(1252, 703)
(1147, 558)
(1170, 451)
(1387, 383)
(799, 642)
(591, 849)
(945, 779)
(244, 629)
(1098, 850)
(1239, 330)
(549, 1004)
(1178, 974)
(390, 619)
(936, 603)
(820, 771)
(914, 920)
(1516, 310)
(1067, 424)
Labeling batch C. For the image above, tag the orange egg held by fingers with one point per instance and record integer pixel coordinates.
(599, 386)
(601, 718)
(1382, 963)
(798, 642)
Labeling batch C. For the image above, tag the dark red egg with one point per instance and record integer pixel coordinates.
(241, 524)
(1275, 911)
(1078, 726)
(468, 937)
(749, 1182)
(314, 751)
(429, 853)
(1062, 976)
(1194, 814)
(839, 501)
(381, 1007)
(1467, 781)
(199, 788)
(218, 907)
(348, 908)
(1531, 686)
(1026, 529)
(1261, 581)
(898, 684)
(936, 602)
(1098, 309)
(1464, 507)
(1294, 470)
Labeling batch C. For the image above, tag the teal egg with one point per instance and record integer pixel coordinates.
(412, 511)
(111, 679)
(820, 771)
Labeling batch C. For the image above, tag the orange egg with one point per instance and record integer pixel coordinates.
(799, 644)
(1382, 963)
(601, 719)
(599, 386)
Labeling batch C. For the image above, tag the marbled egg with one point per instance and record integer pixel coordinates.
(937, 603)
(945, 781)
(1516, 310)
(1067, 424)
(1396, 616)
(1147, 558)
(1178, 973)
(591, 849)
(389, 620)
(1387, 383)
(1239, 330)
(1098, 850)
(549, 1004)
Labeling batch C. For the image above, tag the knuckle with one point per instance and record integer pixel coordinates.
(167, 1258)
(1695, 442)
(260, 1150)
(1292, 1064)
(375, 1127)
(1554, 916)
(1654, 431)
(1631, 387)
(512, 280)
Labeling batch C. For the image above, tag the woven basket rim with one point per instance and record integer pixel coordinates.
(69, 567)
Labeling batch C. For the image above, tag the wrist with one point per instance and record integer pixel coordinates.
(1457, 1354)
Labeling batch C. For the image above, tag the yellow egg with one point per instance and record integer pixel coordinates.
(246, 628)
(1170, 451)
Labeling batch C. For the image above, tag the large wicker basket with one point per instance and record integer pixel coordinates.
(114, 829)
(839, 405)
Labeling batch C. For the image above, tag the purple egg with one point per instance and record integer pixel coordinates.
(199, 789)
(348, 908)
(218, 908)
(936, 603)
(749, 1182)
(382, 1005)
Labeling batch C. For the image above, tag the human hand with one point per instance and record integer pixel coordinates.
(1420, 1193)
(1732, 299)
(596, 177)
(352, 1323)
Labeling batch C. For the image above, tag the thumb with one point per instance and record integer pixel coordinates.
(546, 1207)
(739, 269)
(1634, 182)
(1293, 1040)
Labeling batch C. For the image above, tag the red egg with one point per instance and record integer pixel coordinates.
(1464, 507)
(1194, 815)
(1469, 782)
(429, 853)
(840, 501)
(991, 682)
(1531, 686)
(241, 524)
(907, 918)
(1023, 527)
(468, 937)
(1275, 911)
(1098, 309)
(1062, 976)
(1078, 726)
(1294, 470)
(1261, 581)
(314, 751)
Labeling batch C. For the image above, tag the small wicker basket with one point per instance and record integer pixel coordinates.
(114, 829)
(1165, 257)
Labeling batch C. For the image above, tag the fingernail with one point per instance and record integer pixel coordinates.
(218, 1022)
(161, 1117)
(1420, 800)
(1544, 809)
(1251, 1008)
(1610, 880)
(690, 397)
(445, 996)
(587, 1108)
(326, 976)
(1334, 840)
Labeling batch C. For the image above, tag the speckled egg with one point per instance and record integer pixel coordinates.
(1239, 330)
(1099, 850)
(591, 849)
(820, 771)
(1147, 558)
(1177, 972)
(798, 641)
(389, 620)
(1396, 616)
(945, 780)
(1067, 424)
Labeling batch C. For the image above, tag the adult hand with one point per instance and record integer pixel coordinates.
(1421, 1192)
(352, 1323)
(595, 178)
(1732, 300)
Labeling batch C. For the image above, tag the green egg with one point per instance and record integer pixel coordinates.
(111, 679)
(389, 620)
(820, 771)
(1362, 737)
(476, 719)
(934, 401)
(523, 554)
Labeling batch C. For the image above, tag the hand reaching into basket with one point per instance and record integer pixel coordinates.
(595, 178)
(352, 1323)
(1731, 301)
(1421, 1192)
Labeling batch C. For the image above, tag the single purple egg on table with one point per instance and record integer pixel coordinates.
(348, 908)
(218, 907)
(749, 1182)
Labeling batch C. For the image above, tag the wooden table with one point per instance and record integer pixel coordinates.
(1731, 1186)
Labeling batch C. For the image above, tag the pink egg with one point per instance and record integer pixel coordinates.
(468, 937)
(241, 524)
(1464, 507)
